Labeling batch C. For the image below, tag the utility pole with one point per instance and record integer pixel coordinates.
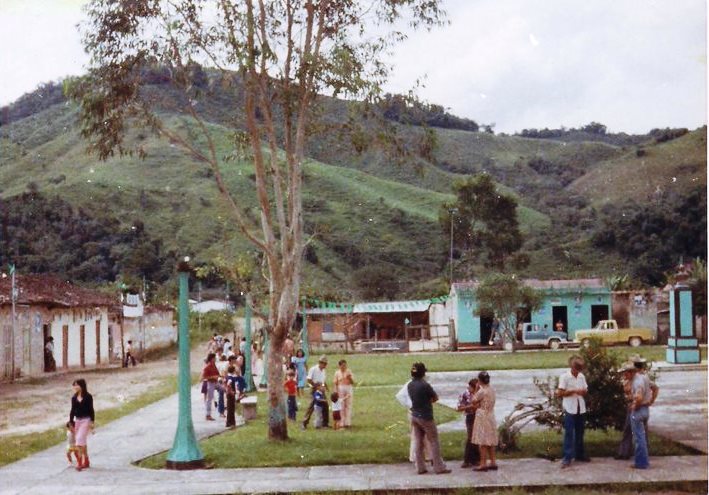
(199, 305)
(13, 296)
(452, 211)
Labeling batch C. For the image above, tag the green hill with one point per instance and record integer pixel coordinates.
(363, 209)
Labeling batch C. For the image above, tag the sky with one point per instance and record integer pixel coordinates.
(632, 65)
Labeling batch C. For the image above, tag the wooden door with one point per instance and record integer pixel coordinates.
(82, 345)
(65, 346)
(98, 341)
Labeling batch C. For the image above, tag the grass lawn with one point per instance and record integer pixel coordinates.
(393, 369)
(16, 447)
(380, 436)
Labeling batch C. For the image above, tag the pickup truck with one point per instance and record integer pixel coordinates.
(533, 334)
(609, 332)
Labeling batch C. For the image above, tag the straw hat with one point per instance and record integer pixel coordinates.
(323, 359)
(637, 358)
(627, 366)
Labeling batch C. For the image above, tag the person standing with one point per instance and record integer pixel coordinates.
(210, 375)
(471, 454)
(317, 378)
(300, 369)
(643, 396)
(129, 354)
(344, 386)
(49, 363)
(82, 415)
(484, 433)
(235, 387)
(572, 389)
(625, 448)
(422, 398)
(291, 388)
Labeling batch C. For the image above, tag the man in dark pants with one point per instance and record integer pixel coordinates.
(471, 453)
(572, 389)
(317, 377)
(422, 398)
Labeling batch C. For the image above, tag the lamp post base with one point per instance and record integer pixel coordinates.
(185, 465)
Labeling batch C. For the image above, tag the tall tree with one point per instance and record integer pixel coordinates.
(484, 221)
(277, 56)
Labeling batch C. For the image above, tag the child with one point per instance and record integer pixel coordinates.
(71, 443)
(319, 398)
(235, 386)
(291, 387)
(336, 410)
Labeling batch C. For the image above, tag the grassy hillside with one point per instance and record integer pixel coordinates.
(643, 173)
(362, 209)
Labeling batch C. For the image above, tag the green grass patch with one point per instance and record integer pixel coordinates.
(393, 369)
(380, 436)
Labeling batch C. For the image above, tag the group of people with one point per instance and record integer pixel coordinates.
(478, 404)
(640, 393)
(341, 398)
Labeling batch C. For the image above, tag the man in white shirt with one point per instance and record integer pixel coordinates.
(317, 377)
(572, 389)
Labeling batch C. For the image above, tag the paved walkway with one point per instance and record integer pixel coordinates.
(150, 430)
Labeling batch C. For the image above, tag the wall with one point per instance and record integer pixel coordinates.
(74, 318)
(578, 311)
(28, 342)
(157, 327)
(29, 337)
(467, 325)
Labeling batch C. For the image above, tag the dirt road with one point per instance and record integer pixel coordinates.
(38, 404)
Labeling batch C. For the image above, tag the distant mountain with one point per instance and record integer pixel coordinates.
(364, 209)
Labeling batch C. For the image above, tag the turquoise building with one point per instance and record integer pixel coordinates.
(578, 304)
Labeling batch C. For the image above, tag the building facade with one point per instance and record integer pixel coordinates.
(76, 319)
(577, 304)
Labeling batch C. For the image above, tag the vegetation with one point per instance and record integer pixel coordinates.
(483, 221)
(42, 234)
(652, 238)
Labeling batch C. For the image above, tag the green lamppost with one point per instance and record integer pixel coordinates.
(247, 351)
(304, 337)
(185, 452)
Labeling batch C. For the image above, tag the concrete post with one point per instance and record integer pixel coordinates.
(248, 376)
(185, 452)
(682, 345)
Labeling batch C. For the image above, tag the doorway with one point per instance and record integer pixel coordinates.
(485, 327)
(559, 313)
(598, 312)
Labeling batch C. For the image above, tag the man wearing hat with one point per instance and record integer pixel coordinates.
(644, 394)
(572, 389)
(625, 449)
(424, 427)
(316, 378)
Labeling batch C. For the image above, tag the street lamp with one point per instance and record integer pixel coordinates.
(185, 452)
(452, 212)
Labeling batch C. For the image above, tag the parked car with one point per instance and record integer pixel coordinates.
(534, 334)
(609, 333)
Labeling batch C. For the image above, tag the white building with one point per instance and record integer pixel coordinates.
(76, 319)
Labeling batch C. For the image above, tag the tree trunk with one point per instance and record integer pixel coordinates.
(277, 419)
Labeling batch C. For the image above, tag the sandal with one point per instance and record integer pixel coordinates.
(492, 467)
(480, 468)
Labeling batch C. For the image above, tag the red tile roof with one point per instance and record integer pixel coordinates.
(52, 291)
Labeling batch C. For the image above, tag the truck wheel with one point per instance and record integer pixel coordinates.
(586, 342)
(554, 344)
(635, 341)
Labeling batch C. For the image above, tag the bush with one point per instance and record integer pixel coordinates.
(605, 400)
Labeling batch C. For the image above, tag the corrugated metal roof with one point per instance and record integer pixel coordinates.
(374, 307)
(572, 284)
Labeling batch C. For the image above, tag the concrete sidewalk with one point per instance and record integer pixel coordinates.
(150, 430)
